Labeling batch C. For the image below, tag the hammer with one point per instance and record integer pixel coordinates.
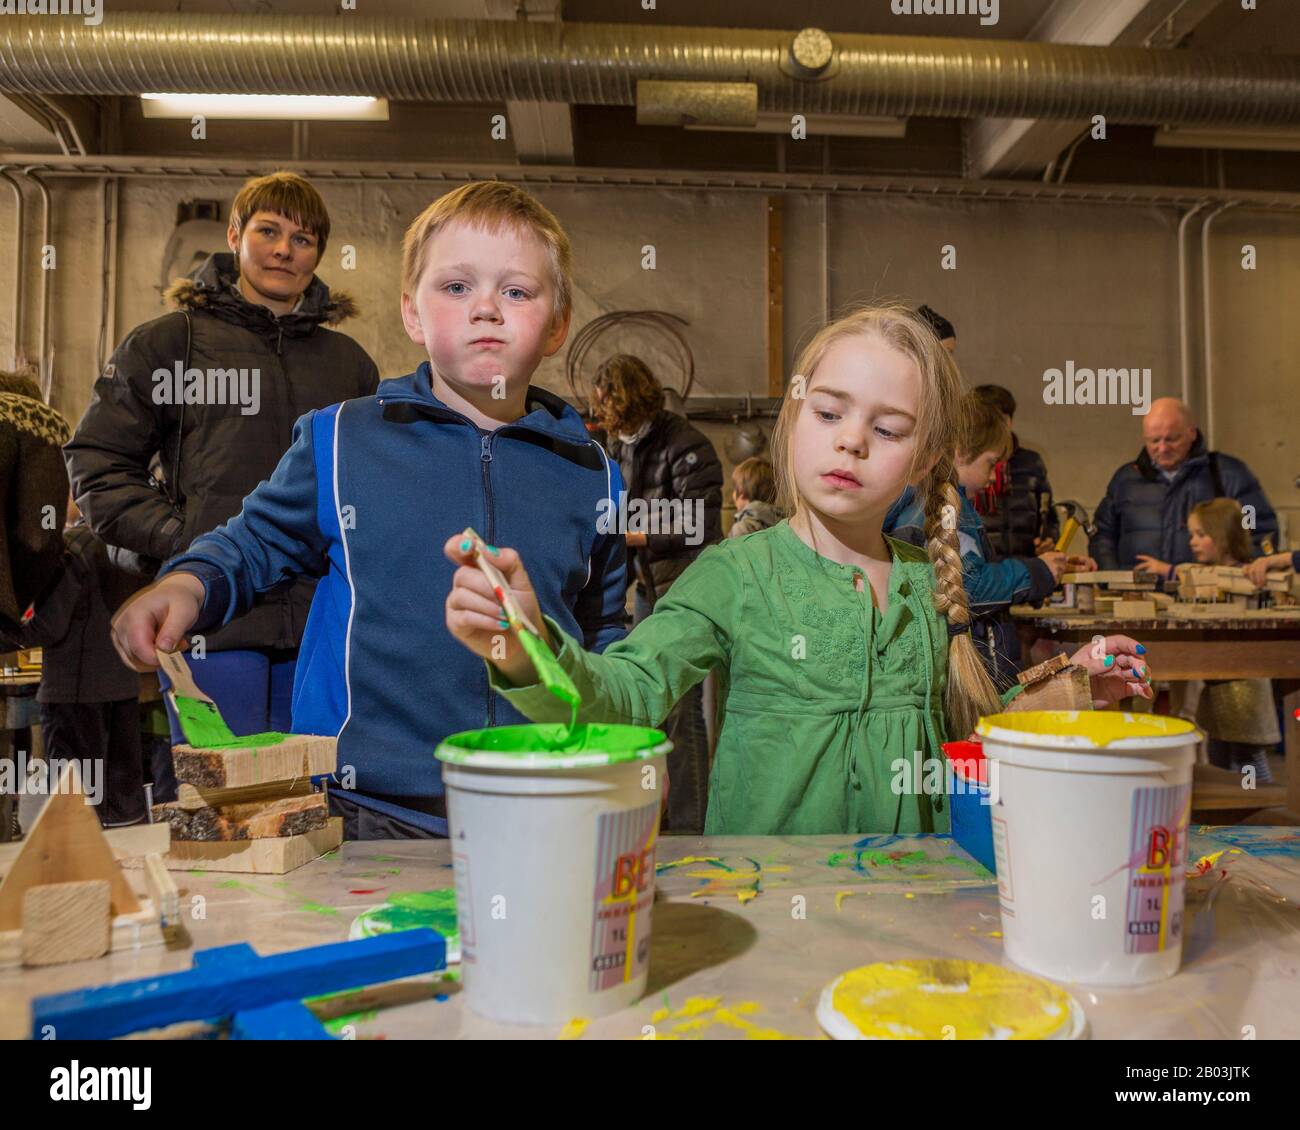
(1075, 517)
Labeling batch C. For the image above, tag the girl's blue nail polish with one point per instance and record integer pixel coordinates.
(503, 623)
(466, 546)
(492, 549)
(1141, 650)
(1110, 661)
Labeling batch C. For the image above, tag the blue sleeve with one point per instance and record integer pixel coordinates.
(600, 608)
(274, 538)
(1103, 546)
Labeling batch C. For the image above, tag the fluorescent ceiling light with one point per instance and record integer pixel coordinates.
(263, 107)
(1191, 137)
(843, 125)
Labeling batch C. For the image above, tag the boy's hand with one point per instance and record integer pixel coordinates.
(1057, 562)
(475, 616)
(157, 618)
(1117, 669)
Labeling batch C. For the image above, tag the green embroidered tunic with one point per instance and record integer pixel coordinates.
(821, 693)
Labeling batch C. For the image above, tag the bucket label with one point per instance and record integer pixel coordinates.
(1157, 858)
(1002, 857)
(625, 891)
(464, 905)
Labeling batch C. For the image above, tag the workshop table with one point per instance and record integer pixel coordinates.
(747, 931)
(1259, 644)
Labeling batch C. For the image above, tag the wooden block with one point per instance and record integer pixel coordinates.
(1134, 609)
(191, 797)
(66, 845)
(1100, 577)
(125, 843)
(1162, 599)
(66, 922)
(1048, 667)
(254, 820)
(1133, 586)
(1066, 689)
(162, 889)
(1242, 585)
(297, 756)
(262, 857)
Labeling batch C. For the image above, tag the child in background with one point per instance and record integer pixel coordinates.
(993, 585)
(1237, 715)
(753, 493)
(89, 698)
(465, 440)
(843, 654)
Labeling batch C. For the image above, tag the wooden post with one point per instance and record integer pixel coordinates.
(774, 336)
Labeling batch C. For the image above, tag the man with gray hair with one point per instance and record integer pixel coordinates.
(1142, 521)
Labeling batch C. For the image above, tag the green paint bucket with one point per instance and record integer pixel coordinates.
(553, 844)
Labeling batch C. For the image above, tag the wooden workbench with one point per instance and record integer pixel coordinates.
(729, 959)
(1258, 644)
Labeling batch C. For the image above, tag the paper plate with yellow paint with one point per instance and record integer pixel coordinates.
(946, 1000)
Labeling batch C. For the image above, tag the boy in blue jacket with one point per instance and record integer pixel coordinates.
(992, 584)
(371, 489)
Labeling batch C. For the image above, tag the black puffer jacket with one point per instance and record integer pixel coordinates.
(212, 455)
(1018, 507)
(673, 460)
(1145, 513)
(34, 494)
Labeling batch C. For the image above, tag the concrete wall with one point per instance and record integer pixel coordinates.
(1035, 285)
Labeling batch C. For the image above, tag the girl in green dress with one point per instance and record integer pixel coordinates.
(844, 657)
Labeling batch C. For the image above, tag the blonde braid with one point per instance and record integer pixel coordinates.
(970, 692)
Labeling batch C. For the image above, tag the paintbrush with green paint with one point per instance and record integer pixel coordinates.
(549, 672)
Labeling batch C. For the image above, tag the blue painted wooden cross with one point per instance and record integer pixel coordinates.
(261, 996)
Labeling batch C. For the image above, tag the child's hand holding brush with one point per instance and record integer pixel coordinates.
(481, 617)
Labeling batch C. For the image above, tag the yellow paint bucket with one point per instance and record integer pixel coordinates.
(1090, 813)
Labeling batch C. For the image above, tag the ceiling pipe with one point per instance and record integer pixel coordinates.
(19, 270)
(1207, 328)
(47, 235)
(1184, 346)
(600, 64)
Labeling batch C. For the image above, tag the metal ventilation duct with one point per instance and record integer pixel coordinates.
(493, 61)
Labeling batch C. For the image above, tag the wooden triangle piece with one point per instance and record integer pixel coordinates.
(65, 845)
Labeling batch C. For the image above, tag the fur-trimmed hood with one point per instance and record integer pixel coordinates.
(212, 288)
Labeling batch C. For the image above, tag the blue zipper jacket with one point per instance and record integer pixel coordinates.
(364, 499)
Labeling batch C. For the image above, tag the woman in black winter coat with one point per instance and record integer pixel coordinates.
(672, 510)
(213, 390)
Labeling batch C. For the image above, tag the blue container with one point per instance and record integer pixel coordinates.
(968, 803)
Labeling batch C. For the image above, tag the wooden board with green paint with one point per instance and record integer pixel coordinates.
(295, 756)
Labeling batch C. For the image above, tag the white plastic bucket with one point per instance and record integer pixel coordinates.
(1090, 824)
(554, 856)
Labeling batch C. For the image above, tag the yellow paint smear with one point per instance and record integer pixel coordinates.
(659, 1015)
(964, 1000)
(840, 896)
(696, 1005)
(574, 1028)
(1099, 727)
(670, 864)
